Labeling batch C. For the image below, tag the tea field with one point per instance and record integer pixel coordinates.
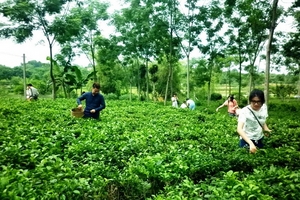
(143, 150)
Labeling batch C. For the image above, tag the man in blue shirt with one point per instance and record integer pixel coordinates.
(94, 102)
(190, 104)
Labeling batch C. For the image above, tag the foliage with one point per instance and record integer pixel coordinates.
(111, 96)
(282, 91)
(91, 13)
(8, 73)
(52, 18)
(128, 96)
(215, 96)
(153, 33)
(142, 150)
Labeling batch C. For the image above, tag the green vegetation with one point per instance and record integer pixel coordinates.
(159, 47)
(143, 150)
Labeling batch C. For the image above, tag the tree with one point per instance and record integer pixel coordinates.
(48, 16)
(8, 73)
(200, 74)
(248, 22)
(63, 70)
(275, 13)
(91, 13)
(291, 49)
(80, 79)
(154, 78)
(134, 24)
(213, 25)
(145, 30)
(188, 25)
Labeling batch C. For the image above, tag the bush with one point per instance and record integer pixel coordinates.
(73, 94)
(215, 96)
(127, 97)
(111, 96)
(19, 89)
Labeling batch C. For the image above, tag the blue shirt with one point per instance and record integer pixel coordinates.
(92, 101)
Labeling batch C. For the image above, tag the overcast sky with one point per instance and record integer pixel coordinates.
(11, 53)
(37, 48)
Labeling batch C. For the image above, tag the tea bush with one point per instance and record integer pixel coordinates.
(141, 150)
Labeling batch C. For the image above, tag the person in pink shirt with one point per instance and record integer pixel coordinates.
(232, 105)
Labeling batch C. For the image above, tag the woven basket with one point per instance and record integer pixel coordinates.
(77, 112)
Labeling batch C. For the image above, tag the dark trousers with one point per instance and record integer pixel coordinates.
(258, 143)
(95, 115)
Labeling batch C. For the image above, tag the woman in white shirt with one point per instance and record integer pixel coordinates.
(174, 100)
(252, 122)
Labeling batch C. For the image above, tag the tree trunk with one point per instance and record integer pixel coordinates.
(250, 80)
(93, 60)
(167, 85)
(209, 83)
(139, 79)
(153, 93)
(64, 88)
(170, 56)
(188, 75)
(147, 80)
(171, 79)
(51, 73)
(229, 81)
(298, 82)
(130, 89)
(268, 49)
(240, 74)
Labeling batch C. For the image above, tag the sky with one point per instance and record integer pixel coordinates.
(36, 48)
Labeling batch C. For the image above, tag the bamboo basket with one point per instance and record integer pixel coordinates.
(75, 112)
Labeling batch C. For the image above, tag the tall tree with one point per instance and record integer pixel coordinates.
(110, 68)
(188, 25)
(248, 22)
(275, 13)
(51, 17)
(145, 31)
(213, 25)
(135, 25)
(91, 13)
(291, 49)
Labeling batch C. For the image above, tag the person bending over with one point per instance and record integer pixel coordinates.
(94, 102)
(232, 105)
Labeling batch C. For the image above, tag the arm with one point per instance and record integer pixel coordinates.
(221, 106)
(102, 104)
(242, 133)
(79, 99)
(236, 104)
(266, 128)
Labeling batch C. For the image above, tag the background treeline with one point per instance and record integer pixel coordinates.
(11, 82)
(149, 54)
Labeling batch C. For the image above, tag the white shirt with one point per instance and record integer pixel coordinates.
(32, 91)
(174, 102)
(183, 105)
(28, 93)
(251, 126)
(190, 102)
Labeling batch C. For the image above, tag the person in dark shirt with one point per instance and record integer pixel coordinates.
(94, 102)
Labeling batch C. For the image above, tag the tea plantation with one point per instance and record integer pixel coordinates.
(143, 150)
